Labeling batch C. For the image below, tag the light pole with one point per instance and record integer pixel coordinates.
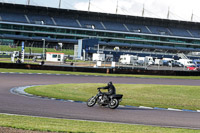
(28, 2)
(89, 6)
(43, 48)
(59, 4)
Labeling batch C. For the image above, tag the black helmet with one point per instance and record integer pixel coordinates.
(109, 83)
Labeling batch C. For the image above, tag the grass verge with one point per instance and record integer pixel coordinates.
(99, 74)
(163, 96)
(75, 126)
(35, 50)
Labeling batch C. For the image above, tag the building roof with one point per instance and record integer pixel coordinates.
(98, 15)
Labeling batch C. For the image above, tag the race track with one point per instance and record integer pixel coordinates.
(16, 104)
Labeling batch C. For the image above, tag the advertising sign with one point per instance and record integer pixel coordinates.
(22, 53)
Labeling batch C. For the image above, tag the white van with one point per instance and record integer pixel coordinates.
(186, 62)
(128, 59)
(149, 60)
(98, 57)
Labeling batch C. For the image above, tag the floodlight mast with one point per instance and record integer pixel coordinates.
(59, 4)
(89, 6)
(168, 13)
(117, 7)
(192, 16)
(28, 2)
(143, 11)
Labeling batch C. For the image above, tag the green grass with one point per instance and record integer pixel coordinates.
(35, 50)
(99, 74)
(5, 61)
(163, 96)
(26, 61)
(75, 126)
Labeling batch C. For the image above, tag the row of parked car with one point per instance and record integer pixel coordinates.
(148, 60)
(193, 68)
(193, 65)
(172, 63)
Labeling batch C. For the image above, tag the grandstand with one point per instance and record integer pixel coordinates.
(132, 34)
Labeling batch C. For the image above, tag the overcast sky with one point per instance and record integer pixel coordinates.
(179, 9)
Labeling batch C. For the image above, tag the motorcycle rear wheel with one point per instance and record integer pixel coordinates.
(114, 103)
(91, 102)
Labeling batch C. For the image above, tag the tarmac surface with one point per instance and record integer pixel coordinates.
(16, 104)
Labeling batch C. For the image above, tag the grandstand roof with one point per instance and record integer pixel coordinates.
(97, 16)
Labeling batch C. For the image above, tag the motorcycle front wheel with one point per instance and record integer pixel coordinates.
(114, 103)
(91, 102)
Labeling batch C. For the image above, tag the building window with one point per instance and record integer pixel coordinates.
(54, 56)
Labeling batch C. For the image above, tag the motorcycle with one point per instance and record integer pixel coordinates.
(103, 100)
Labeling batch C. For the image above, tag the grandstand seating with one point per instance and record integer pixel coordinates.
(195, 33)
(13, 17)
(137, 28)
(114, 26)
(94, 24)
(89, 23)
(159, 30)
(40, 19)
(63, 21)
(179, 32)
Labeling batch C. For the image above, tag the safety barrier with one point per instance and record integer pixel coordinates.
(117, 70)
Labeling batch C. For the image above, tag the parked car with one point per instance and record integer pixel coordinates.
(166, 63)
(192, 67)
(177, 64)
(198, 69)
(197, 62)
(172, 63)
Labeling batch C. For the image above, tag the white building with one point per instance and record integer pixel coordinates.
(52, 56)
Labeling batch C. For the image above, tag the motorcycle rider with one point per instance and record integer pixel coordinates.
(111, 90)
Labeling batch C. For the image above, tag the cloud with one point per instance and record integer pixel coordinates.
(179, 9)
(108, 6)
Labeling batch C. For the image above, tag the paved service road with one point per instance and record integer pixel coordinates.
(22, 105)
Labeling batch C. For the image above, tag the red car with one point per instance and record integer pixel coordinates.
(193, 68)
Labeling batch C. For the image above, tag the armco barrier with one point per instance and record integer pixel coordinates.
(155, 72)
(120, 70)
(57, 68)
